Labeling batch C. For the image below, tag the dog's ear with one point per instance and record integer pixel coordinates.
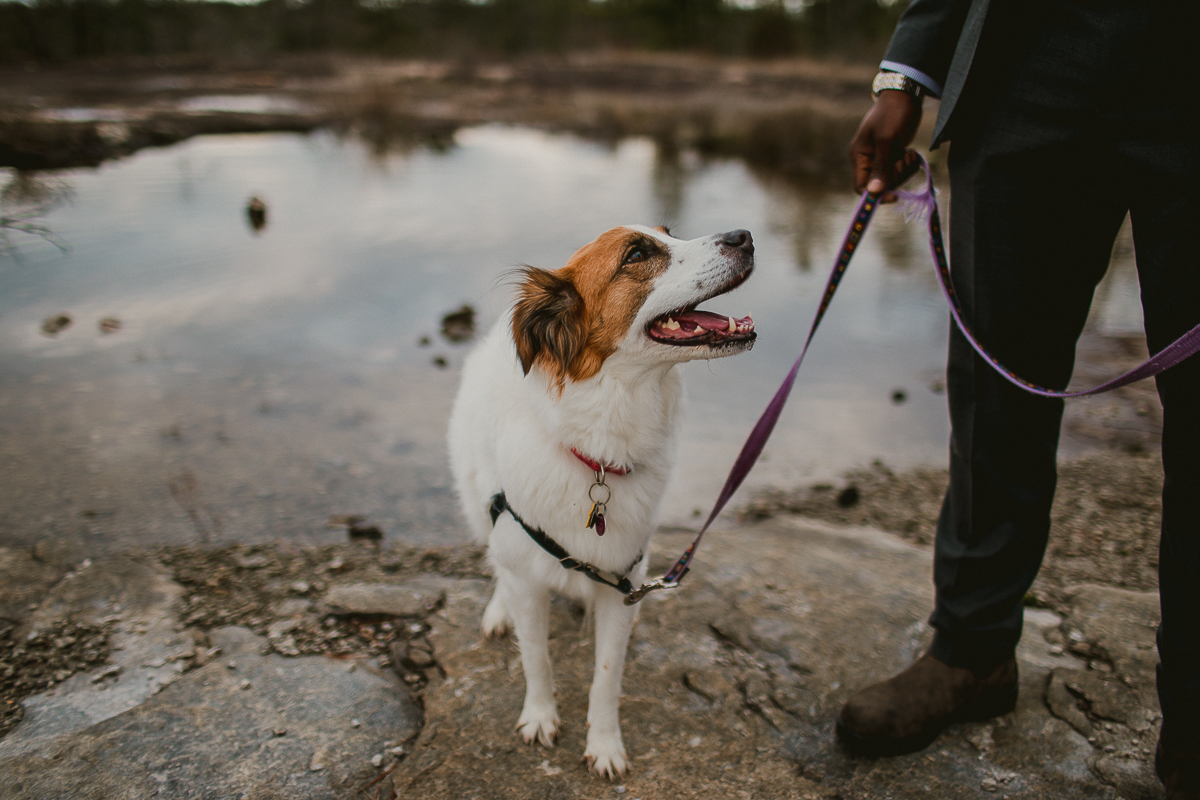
(548, 323)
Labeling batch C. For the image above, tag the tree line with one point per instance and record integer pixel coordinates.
(57, 31)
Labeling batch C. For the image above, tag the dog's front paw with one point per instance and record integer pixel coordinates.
(538, 726)
(605, 756)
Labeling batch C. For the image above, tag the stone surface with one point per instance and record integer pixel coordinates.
(271, 727)
(141, 602)
(734, 680)
(414, 598)
(731, 689)
(24, 580)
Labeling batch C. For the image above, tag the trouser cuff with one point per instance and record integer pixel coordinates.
(978, 654)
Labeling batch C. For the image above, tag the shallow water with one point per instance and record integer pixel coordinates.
(263, 382)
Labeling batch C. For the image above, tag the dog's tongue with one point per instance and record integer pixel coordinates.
(694, 324)
(710, 322)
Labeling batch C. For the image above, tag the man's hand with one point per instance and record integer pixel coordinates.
(877, 152)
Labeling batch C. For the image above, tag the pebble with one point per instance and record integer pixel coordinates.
(420, 658)
(256, 561)
(377, 760)
(279, 731)
(245, 684)
(397, 751)
(354, 723)
(278, 628)
(107, 672)
(988, 784)
(1056, 649)
(231, 665)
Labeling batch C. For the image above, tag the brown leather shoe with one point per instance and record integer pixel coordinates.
(907, 712)
(1178, 769)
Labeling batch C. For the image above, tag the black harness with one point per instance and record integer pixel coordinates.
(500, 505)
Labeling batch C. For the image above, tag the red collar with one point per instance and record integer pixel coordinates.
(595, 465)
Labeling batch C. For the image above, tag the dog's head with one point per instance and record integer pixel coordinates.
(633, 290)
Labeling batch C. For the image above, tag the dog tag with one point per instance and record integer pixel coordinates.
(596, 518)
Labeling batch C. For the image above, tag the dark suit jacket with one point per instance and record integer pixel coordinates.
(939, 37)
(1070, 64)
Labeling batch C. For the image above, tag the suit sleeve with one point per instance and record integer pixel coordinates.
(925, 39)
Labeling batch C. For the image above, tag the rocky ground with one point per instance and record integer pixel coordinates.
(344, 671)
(351, 670)
(1105, 521)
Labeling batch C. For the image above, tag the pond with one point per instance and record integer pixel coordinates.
(217, 383)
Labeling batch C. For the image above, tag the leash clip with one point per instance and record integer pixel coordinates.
(645, 589)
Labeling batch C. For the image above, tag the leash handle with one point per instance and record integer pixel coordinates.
(915, 204)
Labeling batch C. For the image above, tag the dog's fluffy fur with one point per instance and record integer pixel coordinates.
(586, 359)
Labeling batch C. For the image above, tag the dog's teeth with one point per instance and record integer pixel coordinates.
(671, 325)
(732, 326)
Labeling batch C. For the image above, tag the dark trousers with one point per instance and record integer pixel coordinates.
(1039, 189)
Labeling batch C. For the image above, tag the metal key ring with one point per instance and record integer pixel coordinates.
(607, 496)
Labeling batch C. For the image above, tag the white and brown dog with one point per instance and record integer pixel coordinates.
(582, 375)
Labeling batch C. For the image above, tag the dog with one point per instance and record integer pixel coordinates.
(565, 425)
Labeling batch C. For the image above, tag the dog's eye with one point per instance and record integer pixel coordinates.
(635, 255)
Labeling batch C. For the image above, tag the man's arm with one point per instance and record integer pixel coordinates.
(922, 48)
(924, 41)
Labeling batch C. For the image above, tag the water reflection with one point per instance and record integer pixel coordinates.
(258, 386)
(25, 199)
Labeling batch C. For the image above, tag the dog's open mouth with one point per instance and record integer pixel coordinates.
(691, 327)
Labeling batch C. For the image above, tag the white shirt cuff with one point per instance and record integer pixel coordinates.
(929, 83)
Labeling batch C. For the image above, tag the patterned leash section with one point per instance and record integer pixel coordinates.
(766, 423)
(916, 204)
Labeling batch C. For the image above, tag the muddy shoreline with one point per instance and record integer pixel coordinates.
(793, 116)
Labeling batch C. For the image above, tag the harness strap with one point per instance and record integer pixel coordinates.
(500, 504)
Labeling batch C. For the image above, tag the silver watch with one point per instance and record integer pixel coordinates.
(894, 80)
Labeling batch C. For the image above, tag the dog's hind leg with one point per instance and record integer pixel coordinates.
(497, 622)
(605, 752)
(529, 606)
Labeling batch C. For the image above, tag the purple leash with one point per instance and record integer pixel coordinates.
(925, 204)
(917, 204)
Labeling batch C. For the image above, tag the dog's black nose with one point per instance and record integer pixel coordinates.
(739, 239)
